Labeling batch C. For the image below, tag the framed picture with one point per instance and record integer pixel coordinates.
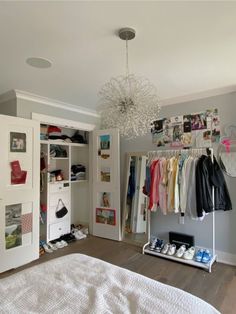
(106, 216)
(17, 142)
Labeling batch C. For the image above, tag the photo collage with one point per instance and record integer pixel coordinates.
(192, 130)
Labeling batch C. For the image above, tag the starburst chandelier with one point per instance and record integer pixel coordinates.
(128, 102)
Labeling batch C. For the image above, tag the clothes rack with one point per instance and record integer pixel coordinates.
(176, 152)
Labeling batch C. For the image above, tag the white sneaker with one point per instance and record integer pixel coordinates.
(52, 246)
(180, 252)
(189, 254)
(165, 248)
(78, 234)
(172, 250)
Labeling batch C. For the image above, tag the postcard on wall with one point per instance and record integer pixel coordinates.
(167, 132)
(105, 142)
(105, 199)
(105, 174)
(13, 226)
(199, 121)
(177, 124)
(203, 138)
(17, 142)
(157, 133)
(106, 216)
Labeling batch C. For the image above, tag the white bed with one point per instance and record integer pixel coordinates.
(81, 284)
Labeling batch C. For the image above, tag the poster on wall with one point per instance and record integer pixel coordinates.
(17, 142)
(167, 132)
(199, 129)
(105, 199)
(106, 216)
(177, 125)
(199, 121)
(13, 226)
(157, 133)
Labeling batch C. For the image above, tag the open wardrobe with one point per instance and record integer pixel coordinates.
(57, 173)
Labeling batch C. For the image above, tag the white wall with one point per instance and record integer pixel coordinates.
(8, 107)
(225, 221)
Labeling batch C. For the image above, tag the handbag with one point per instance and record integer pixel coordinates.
(60, 213)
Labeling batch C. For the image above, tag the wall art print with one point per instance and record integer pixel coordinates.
(17, 142)
(106, 216)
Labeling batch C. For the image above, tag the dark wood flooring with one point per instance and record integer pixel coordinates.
(217, 288)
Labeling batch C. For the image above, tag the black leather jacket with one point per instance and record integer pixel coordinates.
(209, 174)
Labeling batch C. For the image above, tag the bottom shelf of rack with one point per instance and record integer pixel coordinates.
(207, 266)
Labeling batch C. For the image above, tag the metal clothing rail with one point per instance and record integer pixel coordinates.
(176, 152)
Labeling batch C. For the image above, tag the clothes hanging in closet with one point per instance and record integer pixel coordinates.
(183, 184)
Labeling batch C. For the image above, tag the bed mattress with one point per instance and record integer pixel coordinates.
(78, 283)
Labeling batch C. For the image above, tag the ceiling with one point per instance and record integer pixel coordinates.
(182, 47)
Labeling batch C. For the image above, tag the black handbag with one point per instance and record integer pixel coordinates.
(61, 212)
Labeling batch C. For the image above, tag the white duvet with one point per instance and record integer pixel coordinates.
(81, 284)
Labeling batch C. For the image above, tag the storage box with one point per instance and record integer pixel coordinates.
(181, 239)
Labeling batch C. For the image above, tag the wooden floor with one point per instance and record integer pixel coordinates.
(217, 288)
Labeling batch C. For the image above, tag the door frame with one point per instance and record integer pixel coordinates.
(77, 125)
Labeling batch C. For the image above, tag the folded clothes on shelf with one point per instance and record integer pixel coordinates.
(78, 172)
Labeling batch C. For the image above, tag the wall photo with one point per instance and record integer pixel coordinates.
(17, 142)
(13, 226)
(106, 216)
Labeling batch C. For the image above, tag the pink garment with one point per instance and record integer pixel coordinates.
(162, 187)
(154, 189)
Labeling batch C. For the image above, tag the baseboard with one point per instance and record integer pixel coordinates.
(226, 258)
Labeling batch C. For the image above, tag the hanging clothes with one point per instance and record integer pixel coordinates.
(184, 185)
(163, 186)
(154, 188)
(209, 174)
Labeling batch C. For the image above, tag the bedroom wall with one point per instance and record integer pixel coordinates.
(8, 107)
(225, 221)
(26, 107)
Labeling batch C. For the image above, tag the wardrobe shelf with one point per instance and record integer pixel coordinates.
(78, 181)
(207, 266)
(48, 142)
(59, 158)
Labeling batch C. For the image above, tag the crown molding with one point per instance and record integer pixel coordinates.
(49, 102)
(199, 95)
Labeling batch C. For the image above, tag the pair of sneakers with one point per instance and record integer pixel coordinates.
(156, 245)
(169, 249)
(78, 234)
(203, 256)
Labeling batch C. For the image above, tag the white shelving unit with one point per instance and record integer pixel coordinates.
(75, 196)
(208, 266)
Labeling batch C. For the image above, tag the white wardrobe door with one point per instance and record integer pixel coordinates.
(19, 191)
(106, 184)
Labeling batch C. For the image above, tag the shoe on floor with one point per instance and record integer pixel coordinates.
(52, 246)
(180, 252)
(45, 247)
(171, 250)
(78, 234)
(189, 254)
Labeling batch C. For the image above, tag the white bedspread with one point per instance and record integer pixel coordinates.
(81, 284)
